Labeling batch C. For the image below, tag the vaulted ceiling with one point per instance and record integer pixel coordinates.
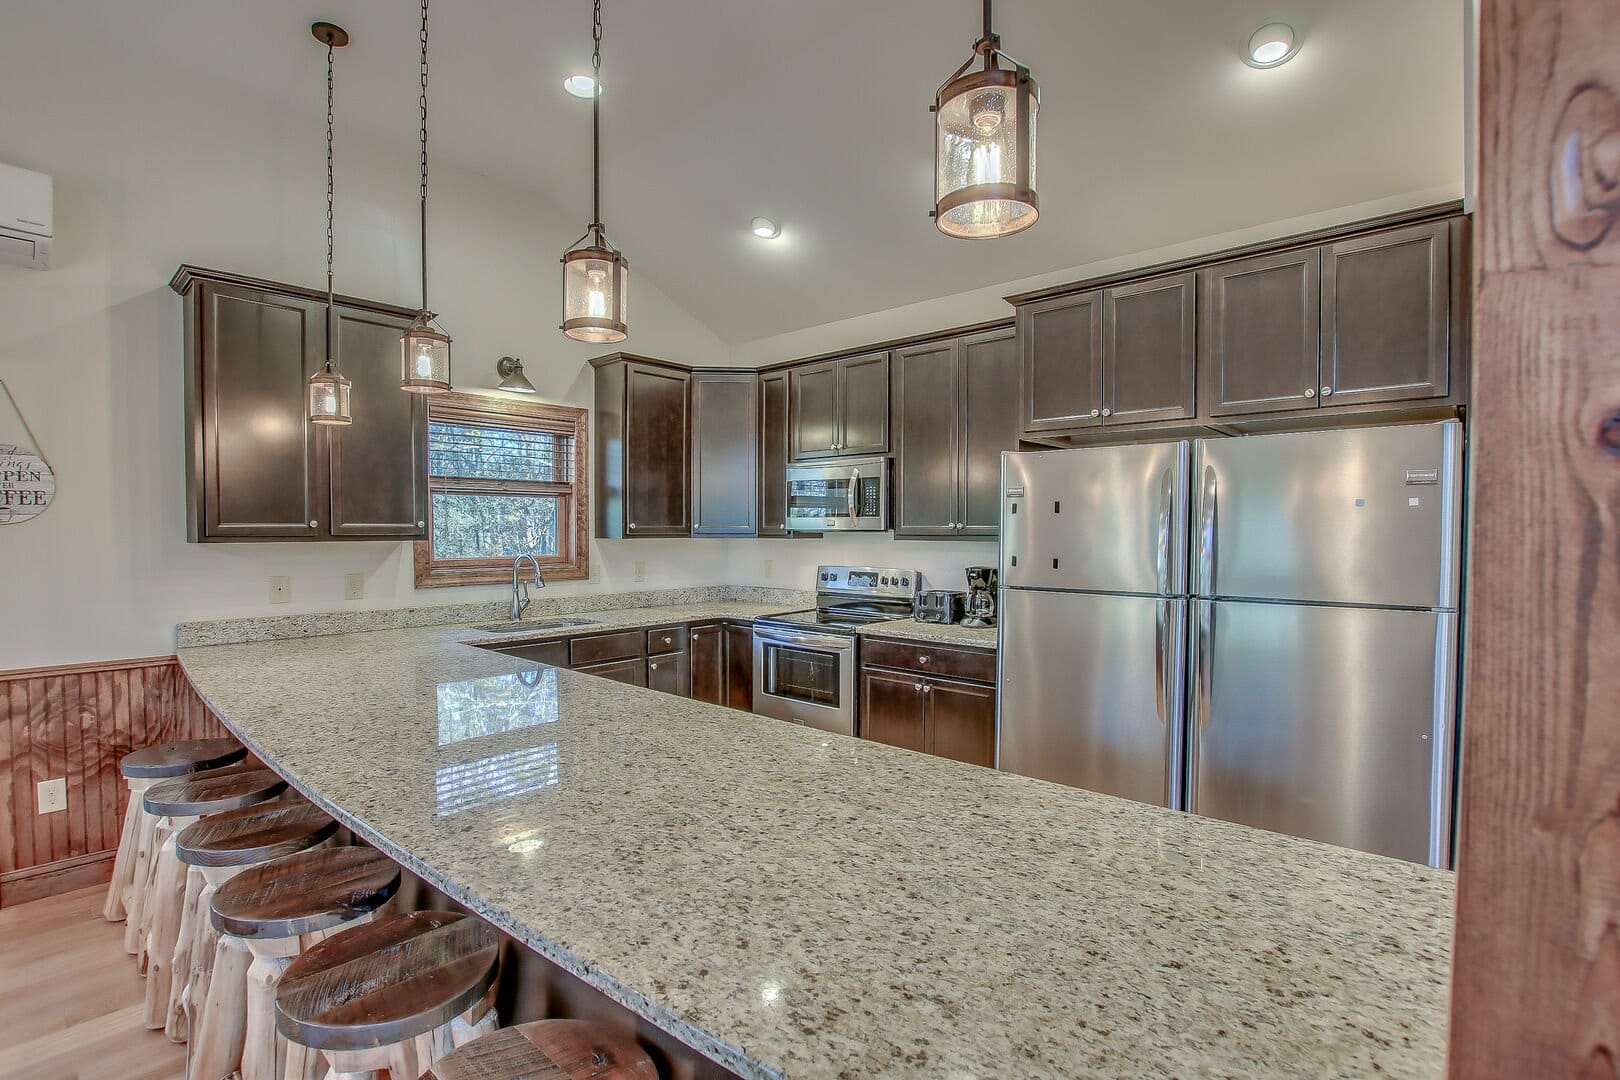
(814, 112)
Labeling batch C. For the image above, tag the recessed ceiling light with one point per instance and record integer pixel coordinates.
(581, 86)
(765, 228)
(1271, 45)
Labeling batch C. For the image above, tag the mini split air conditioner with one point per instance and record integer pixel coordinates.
(25, 218)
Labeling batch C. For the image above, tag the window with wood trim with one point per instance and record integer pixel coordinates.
(505, 478)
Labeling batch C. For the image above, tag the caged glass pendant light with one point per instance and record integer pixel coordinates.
(984, 145)
(328, 389)
(424, 348)
(596, 275)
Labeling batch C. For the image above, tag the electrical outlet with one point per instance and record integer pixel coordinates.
(51, 795)
(770, 569)
(354, 586)
(281, 590)
(641, 570)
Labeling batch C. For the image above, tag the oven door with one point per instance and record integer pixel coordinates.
(806, 678)
(849, 496)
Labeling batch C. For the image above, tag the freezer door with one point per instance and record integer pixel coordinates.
(1364, 516)
(1334, 724)
(1108, 519)
(1092, 692)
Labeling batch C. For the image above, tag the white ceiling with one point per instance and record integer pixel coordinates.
(814, 112)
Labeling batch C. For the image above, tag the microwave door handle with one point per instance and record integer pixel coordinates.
(854, 483)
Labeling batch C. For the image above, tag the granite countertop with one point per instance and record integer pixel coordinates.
(934, 633)
(794, 903)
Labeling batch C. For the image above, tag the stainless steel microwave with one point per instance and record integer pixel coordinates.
(847, 495)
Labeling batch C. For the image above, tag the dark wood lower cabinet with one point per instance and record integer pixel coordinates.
(670, 673)
(962, 721)
(912, 707)
(632, 671)
(709, 663)
(554, 653)
(740, 666)
(893, 710)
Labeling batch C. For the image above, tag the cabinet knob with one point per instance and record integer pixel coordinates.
(1327, 391)
(922, 659)
(314, 524)
(1095, 412)
(1108, 412)
(631, 526)
(917, 686)
(1310, 391)
(927, 689)
(666, 640)
(653, 666)
(421, 524)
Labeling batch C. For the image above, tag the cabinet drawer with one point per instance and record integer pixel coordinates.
(632, 671)
(664, 639)
(554, 653)
(976, 665)
(600, 647)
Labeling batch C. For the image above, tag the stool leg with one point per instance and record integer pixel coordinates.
(124, 862)
(202, 955)
(264, 1050)
(168, 896)
(176, 1026)
(217, 1049)
(146, 848)
(404, 1063)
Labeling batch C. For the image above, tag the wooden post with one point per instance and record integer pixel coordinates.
(1537, 977)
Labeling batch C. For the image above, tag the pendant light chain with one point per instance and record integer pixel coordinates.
(330, 182)
(424, 132)
(596, 119)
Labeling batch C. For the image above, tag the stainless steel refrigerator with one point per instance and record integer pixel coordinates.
(1093, 618)
(1259, 628)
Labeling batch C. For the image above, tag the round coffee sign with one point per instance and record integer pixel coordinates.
(27, 484)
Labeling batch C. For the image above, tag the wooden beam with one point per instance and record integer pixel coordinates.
(1537, 976)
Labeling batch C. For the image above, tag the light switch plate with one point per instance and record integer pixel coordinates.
(770, 569)
(354, 586)
(51, 795)
(281, 590)
(641, 570)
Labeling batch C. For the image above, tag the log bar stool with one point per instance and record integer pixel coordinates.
(216, 849)
(141, 770)
(397, 994)
(547, 1050)
(274, 910)
(180, 802)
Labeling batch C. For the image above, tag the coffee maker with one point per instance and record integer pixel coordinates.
(980, 608)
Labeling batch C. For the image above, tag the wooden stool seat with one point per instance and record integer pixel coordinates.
(213, 792)
(305, 893)
(254, 834)
(179, 758)
(547, 1050)
(387, 982)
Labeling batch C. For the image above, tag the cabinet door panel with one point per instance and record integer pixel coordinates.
(725, 454)
(1261, 320)
(379, 462)
(864, 404)
(709, 663)
(670, 673)
(813, 411)
(927, 459)
(892, 710)
(740, 666)
(655, 452)
(554, 653)
(1149, 350)
(633, 672)
(1061, 343)
(263, 463)
(989, 425)
(962, 722)
(1385, 316)
(773, 454)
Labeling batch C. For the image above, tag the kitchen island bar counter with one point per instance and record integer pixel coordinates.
(790, 902)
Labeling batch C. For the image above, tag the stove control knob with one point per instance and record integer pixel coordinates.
(905, 583)
(883, 581)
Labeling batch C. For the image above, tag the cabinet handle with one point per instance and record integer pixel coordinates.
(1094, 412)
(314, 524)
(1108, 412)
(1327, 391)
(1310, 391)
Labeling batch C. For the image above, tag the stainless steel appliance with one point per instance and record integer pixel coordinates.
(804, 661)
(980, 608)
(1261, 628)
(1093, 618)
(940, 606)
(849, 495)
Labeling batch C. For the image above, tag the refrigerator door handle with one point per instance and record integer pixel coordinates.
(1442, 772)
(1206, 540)
(1166, 513)
(1170, 661)
(1199, 676)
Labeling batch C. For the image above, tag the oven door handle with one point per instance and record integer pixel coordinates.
(841, 644)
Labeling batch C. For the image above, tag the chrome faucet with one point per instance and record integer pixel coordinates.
(520, 591)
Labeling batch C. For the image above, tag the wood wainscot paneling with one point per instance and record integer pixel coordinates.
(77, 722)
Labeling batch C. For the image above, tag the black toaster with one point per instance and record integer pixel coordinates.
(939, 606)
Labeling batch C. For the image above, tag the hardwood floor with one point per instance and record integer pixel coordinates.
(70, 999)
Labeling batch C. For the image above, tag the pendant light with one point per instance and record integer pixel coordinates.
(328, 389)
(984, 145)
(424, 348)
(595, 274)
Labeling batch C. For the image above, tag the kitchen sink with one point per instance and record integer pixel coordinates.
(511, 627)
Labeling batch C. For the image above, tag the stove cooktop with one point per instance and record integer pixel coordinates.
(835, 619)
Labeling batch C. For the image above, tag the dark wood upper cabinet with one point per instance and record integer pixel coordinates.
(1061, 340)
(642, 435)
(1386, 313)
(379, 463)
(988, 425)
(256, 468)
(927, 403)
(774, 453)
(1261, 333)
(1150, 350)
(725, 453)
(839, 407)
